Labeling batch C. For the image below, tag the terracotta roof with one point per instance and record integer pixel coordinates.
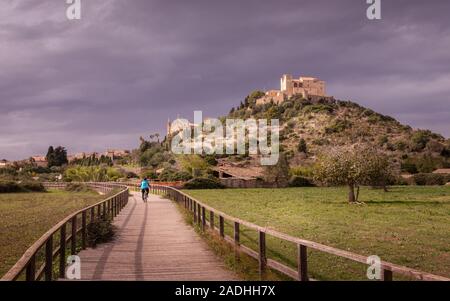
(442, 170)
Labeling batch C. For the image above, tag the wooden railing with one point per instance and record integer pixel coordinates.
(68, 232)
(155, 182)
(198, 210)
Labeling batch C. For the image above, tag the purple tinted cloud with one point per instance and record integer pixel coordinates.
(127, 66)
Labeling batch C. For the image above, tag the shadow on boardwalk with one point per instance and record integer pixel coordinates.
(153, 243)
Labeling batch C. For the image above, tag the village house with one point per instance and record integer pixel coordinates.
(4, 163)
(40, 161)
(116, 153)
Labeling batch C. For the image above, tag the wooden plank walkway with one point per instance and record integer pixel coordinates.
(153, 242)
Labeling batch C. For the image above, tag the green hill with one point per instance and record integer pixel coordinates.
(308, 128)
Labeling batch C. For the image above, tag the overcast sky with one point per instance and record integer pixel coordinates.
(127, 66)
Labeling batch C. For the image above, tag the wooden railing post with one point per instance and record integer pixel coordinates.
(302, 264)
(83, 230)
(387, 275)
(62, 252)
(203, 218)
(195, 212)
(211, 220)
(221, 226)
(104, 210)
(49, 259)
(262, 253)
(31, 269)
(92, 214)
(236, 234)
(74, 236)
(199, 213)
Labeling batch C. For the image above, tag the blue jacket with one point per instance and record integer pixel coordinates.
(145, 184)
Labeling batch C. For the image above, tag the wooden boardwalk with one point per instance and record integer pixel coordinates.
(153, 242)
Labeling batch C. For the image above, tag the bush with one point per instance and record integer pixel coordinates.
(420, 139)
(149, 174)
(11, 186)
(429, 179)
(302, 171)
(132, 175)
(203, 183)
(319, 108)
(409, 167)
(302, 147)
(297, 181)
(181, 176)
(32, 186)
(77, 187)
(100, 231)
(338, 126)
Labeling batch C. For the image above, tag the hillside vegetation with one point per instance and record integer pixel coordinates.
(310, 128)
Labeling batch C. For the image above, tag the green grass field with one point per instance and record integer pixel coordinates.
(24, 217)
(408, 225)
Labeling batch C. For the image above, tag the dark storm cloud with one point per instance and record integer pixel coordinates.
(127, 66)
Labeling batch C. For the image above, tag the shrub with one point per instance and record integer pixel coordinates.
(429, 179)
(100, 231)
(203, 183)
(302, 171)
(321, 141)
(77, 187)
(131, 175)
(420, 139)
(318, 108)
(409, 167)
(383, 140)
(297, 181)
(149, 174)
(400, 145)
(32, 186)
(338, 126)
(445, 152)
(181, 176)
(302, 148)
(11, 186)
(211, 160)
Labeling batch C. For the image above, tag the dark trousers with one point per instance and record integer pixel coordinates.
(145, 190)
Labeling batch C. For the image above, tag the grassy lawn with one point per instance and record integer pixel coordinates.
(24, 217)
(408, 225)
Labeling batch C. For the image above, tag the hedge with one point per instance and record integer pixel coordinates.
(297, 181)
(203, 183)
(11, 186)
(430, 179)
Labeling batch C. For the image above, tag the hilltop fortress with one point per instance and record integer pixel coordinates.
(308, 87)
